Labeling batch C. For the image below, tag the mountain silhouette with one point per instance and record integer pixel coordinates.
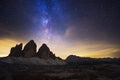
(16, 51)
(30, 51)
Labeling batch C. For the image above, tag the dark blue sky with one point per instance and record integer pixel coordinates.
(70, 20)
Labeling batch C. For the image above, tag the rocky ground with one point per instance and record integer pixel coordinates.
(63, 72)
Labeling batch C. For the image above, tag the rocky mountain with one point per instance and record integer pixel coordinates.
(45, 53)
(29, 51)
(29, 55)
(16, 51)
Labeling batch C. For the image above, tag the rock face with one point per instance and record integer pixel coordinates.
(51, 55)
(45, 53)
(29, 55)
(16, 51)
(30, 49)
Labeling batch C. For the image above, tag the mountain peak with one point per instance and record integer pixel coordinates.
(44, 51)
(31, 41)
(29, 51)
(44, 44)
(16, 51)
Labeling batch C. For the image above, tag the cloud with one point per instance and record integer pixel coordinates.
(14, 33)
(70, 32)
(6, 33)
(90, 31)
(116, 54)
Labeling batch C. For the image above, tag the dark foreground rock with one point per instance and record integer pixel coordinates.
(64, 72)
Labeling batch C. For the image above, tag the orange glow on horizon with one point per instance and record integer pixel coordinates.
(63, 50)
(5, 46)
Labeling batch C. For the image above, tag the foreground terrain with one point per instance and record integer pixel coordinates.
(60, 72)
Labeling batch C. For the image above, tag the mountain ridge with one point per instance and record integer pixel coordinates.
(44, 56)
(29, 55)
(30, 50)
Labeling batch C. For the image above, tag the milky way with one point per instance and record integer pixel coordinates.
(80, 27)
(46, 18)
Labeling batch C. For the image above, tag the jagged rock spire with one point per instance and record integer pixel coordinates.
(30, 49)
(44, 51)
(16, 51)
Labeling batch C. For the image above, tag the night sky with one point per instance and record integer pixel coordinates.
(88, 28)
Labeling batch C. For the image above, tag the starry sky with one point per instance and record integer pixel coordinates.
(88, 28)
